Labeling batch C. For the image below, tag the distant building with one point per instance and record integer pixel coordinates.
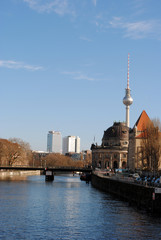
(74, 156)
(86, 154)
(77, 145)
(38, 158)
(54, 142)
(71, 144)
(112, 153)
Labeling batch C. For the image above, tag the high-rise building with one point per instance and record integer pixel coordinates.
(54, 142)
(77, 145)
(71, 144)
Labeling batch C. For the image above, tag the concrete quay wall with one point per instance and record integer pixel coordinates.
(136, 194)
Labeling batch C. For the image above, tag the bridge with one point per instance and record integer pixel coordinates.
(54, 169)
(48, 171)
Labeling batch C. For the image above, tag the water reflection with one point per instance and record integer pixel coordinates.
(68, 209)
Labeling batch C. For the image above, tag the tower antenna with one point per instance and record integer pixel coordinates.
(128, 72)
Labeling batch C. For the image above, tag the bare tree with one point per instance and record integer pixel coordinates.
(151, 146)
(25, 150)
(9, 152)
(13, 153)
(157, 123)
(23, 144)
(59, 160)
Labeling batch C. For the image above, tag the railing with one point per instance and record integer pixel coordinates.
(122, 178)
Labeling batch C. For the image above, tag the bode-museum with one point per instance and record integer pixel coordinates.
(136, 148)
(112, 153)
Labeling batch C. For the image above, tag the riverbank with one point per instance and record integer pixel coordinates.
(138, 195)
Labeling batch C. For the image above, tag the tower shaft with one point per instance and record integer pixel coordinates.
(127, 115)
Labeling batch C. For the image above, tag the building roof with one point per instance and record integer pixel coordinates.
(118, 131)
(142, 121)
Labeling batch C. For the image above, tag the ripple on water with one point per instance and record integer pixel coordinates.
(69, 209)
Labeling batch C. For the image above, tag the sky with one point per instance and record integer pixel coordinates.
(63, 66)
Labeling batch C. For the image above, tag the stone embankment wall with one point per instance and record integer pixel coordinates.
(136, 194)
(4, 173)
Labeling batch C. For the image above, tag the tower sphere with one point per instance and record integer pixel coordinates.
(127, 100)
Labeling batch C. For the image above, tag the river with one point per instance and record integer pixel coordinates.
(68, 208)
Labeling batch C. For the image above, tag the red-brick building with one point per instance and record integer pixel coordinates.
(136, 135)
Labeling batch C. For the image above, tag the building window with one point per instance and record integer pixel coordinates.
(107, 165)
(115, 165)
(115, 155)
(99, 164)
(124, 132)
(124, 165)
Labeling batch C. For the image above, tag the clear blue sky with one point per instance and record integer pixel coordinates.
(63, 66)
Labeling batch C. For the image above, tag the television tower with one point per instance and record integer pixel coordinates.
(127, 100)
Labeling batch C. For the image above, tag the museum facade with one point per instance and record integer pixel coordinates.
(113, 151)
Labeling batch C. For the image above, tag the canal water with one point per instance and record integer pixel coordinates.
(67, 208)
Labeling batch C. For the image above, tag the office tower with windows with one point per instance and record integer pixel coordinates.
(77, 144)
(54, 142)
(71, 144)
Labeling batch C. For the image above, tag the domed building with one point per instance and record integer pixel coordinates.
(112, 153)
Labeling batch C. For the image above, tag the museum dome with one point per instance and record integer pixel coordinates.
(115, 134)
